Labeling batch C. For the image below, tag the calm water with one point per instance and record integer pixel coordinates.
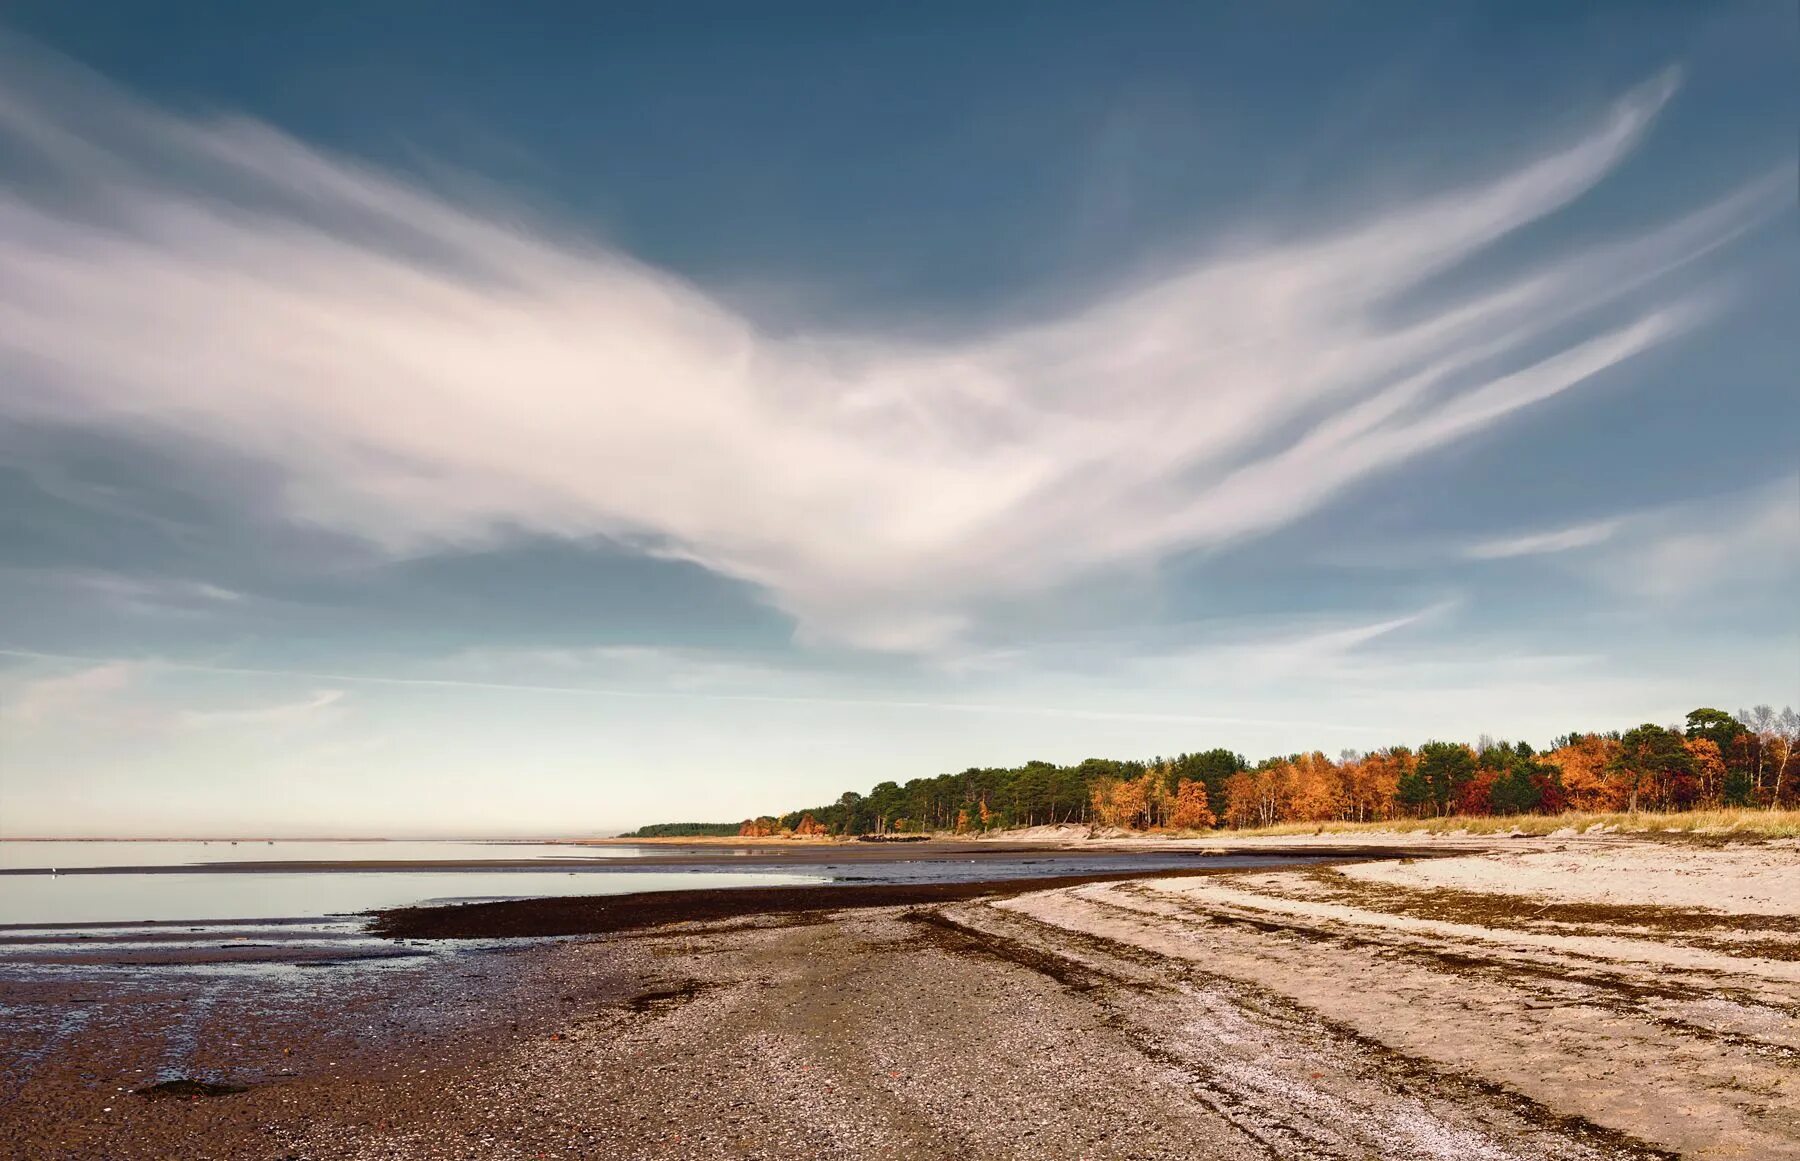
(111, 853)
(208, 896)
(62, 899)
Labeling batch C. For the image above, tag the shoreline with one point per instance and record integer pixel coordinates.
(1536, 1000)
(772, 857)
(606, 914)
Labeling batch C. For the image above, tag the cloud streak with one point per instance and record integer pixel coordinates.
(420, 374)
(1675, 551)
(1542, 543)
(277, 716)
(323, 699)
(62, 695)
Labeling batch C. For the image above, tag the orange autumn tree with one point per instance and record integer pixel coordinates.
(1709, 769)
(1315, 790)
(1122, 802)
(809, 826)
(1259, 797)
(1159, 788)
(1102, 804)
(1147, 802)
(1372, 783)
(1242, 803)
(1586, 762)
(1190, 810)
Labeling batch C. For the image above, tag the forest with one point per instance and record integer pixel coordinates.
(1714, 759)
(685, 830)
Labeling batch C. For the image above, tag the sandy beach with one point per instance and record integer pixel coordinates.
(1525, 998)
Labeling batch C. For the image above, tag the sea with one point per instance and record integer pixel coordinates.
(59, 883)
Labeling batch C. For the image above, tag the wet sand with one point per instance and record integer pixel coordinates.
(602, 914)
(1487, 1005)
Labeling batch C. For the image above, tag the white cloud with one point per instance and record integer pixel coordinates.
(276, 716)
(1673, 551)
(647, 668)
(1541, 543)
(419, 374)
(44, 699)
(1245, 651)
(1752, 538)
(123, 694)
(167, 596)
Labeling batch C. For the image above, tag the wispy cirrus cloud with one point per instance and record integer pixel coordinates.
(151, 595)
(1541, 543)
(421, 374)
(1675, 550)
(133, 693)
(277, 715)
(759, 695)
(1751, 538)
(37, 700)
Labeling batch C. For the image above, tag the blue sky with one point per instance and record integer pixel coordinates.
(478, 419)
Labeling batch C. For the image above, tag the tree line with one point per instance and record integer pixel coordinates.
(685, 830)
(1712, 760)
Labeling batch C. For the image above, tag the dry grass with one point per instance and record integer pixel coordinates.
(1745, 822)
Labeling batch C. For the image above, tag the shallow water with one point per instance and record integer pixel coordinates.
(219, 895)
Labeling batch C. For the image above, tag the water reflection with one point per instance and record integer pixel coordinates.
(214, 895)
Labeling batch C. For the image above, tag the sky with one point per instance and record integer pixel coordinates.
(477, 419)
